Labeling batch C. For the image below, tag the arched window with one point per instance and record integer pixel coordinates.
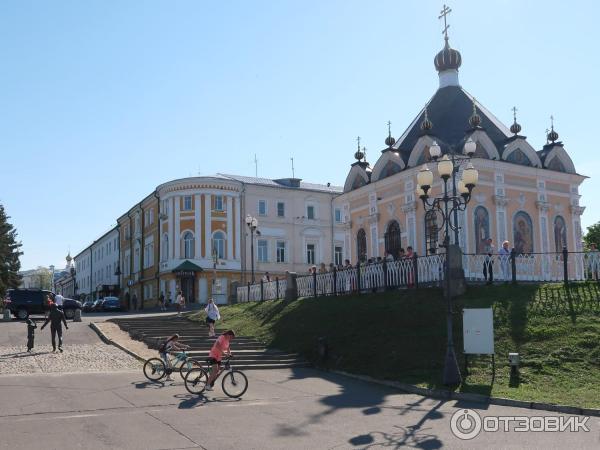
(556, 164)
(431, 232)
(523, 233)
(358, 182)
(517, 156)
(361, 245)
(392, 239)
(481, 219)
(188, 245)
(165, 248)
(560, 233)
(390, 169)
(219, 244)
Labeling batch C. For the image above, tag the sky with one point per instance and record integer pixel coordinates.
(101, 101)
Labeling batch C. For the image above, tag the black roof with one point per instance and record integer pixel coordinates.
(449, 110)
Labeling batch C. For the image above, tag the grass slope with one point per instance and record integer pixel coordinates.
(400, 335)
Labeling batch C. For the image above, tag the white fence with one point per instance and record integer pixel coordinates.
(429, 270)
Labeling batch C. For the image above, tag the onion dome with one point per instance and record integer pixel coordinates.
(426, 125)
(515, 128)
(447, 59)
(553, 135)
(68, 258)
(475, 119)
(358, 155)
(389, 141)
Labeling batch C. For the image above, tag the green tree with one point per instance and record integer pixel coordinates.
(9, 255)
(592, 236)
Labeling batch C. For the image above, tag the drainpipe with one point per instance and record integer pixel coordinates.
(332, 228)
(242, 228)
(157, 273)
(142, 226)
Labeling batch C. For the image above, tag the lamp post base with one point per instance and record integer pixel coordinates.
(451, 371)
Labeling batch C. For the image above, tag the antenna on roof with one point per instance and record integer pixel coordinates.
(293, 174)
(255, 166)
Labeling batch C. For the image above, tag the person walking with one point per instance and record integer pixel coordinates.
(56, 318)
(134, 301)
(180, 302)
(162, 302)
(488, 261)
(504, 256)
(212, 315)
(31, 326)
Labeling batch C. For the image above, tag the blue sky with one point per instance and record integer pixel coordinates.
(101, 101)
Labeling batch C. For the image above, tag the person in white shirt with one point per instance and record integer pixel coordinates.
(58, 299)
(504, 256)
(212, 315)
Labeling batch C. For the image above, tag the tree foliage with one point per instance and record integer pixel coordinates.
(592, 236)
(9, 255)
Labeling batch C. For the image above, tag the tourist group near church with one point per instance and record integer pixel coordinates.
(205, 235)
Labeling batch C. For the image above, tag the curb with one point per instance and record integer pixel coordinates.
(475, 398)
(106, 340)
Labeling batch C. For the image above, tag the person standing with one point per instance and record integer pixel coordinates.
(593, 261)
(56, 318)
(31, 326)
(504, 256)
(179, 302)
(134, 301)
(162, 302)
(212, 315)
(488, 261)
(58, 299)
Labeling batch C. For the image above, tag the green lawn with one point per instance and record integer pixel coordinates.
(400, 335)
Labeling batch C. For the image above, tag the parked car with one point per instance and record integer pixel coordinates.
(87, 305)
(111, 304)
(24, 302)
(97, 305)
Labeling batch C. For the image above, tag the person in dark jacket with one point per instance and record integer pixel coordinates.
(56, 319)
(31, 326)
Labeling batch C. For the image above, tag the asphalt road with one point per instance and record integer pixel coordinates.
(14, 333)
(283, 409)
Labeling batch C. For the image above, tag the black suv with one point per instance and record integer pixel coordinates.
(23, 302)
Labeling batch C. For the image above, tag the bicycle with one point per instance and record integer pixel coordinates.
(155, 368)
(234, 382)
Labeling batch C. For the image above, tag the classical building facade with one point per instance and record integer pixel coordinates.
(190, 235)
(96, 266)
(526, 196)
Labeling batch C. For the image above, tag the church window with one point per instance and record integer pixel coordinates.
(392, 239)
(560, 233)
(361, 245)
(431, 232)
(518, 157)
(481, 225)
(556, 164)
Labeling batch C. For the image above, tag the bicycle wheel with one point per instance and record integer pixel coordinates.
(188, 365)
(234, 384)
(154, 369)
(195, 381)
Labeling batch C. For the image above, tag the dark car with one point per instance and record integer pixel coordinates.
(87, 305)
(24, 302)
(111, 304)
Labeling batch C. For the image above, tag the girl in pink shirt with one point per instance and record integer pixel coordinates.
(219, 348)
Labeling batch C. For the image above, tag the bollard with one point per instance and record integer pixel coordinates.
(77, 316)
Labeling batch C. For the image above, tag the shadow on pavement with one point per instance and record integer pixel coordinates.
(148, 384)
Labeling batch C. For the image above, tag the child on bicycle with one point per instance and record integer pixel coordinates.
(171, 345)
(219, 348)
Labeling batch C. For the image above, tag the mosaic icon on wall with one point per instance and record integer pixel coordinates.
(523, 233)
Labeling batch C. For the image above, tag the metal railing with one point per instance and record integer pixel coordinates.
(264, 290)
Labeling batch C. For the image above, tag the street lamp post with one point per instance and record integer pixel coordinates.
(252, 223)
(448, 206)
(215, 256)
(52, 277)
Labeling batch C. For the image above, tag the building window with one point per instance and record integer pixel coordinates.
(361, 245)
(187, 203)
(310, 212)
(218, 203)
(310, 253)
(280, 209)
(188, 245)
(165, 207)
(392, 239)
(262, 207)
(338, 215)
(148, 255)
(431, 232)
(165, 248)
(219, 244)
(263, 254)
(560, 234)
(280, 251)
(137, 223)
(337, 255)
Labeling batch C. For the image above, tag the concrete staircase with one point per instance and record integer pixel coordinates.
(248, 353)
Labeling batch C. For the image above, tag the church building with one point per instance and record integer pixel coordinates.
(526, 196)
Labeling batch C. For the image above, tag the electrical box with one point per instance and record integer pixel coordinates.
(478, 331)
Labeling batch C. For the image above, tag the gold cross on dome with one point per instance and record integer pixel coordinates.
(443, 13)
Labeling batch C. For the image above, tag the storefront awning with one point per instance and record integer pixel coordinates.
(187, 268)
